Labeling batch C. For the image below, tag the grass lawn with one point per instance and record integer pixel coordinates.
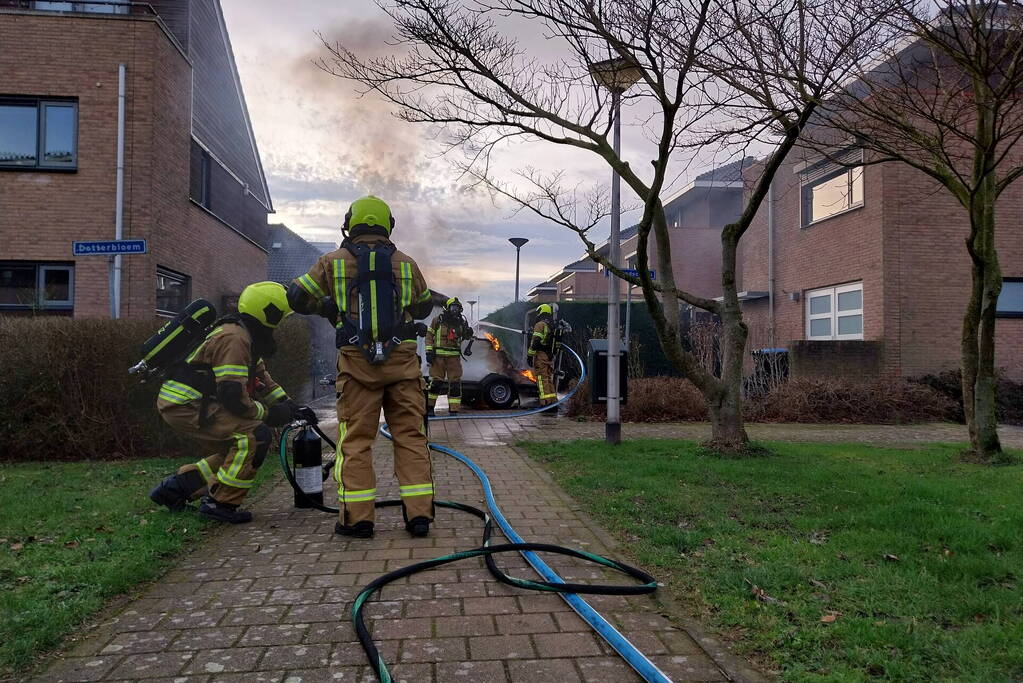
(826, 561)
(74, 535)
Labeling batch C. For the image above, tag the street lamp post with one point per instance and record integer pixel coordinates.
(518, 242)
(472, 311)
(617, 75)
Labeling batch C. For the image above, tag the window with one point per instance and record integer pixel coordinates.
(204, 179)
(172, 291)
(1010, 301)
(830, 188)
(107, 7)
(27, 285)
(38, 133)
(835, 312)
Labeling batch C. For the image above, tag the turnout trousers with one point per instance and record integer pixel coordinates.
(232, 448)
(447, 368)
(543, 366)
(397, 388)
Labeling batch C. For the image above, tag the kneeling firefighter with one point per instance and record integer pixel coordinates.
(444, 340)
(541, 353)
(373, 293)
(222, 395)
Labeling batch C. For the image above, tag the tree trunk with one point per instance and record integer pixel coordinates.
(978, 347)
(727, 433)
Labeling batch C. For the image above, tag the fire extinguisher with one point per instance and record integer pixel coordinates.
(308, 467)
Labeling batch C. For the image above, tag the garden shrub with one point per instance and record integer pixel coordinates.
(1008, 395)
(65, 392)
(882, 401)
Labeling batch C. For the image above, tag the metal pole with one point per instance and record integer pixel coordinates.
(628, 317)
(517, 250)
(770, 261)
(115, 284)
(613, 427)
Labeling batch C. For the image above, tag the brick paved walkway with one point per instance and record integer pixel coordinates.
(269, 601)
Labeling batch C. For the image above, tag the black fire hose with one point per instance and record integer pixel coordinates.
(648, 583)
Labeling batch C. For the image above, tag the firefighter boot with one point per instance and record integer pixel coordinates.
(223, 512)
(418, 526)
(363, 529)
(176, 490)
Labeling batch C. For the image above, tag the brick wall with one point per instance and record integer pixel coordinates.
(906, 246)
(845, 359)
(44, 212)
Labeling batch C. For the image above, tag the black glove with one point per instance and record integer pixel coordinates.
(279, 414)
(430, 357)
(529, 361)
(421, 329)
(328, 310)
(468, 351)
(304, 413)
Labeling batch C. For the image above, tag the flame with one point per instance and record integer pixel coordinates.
(528, 374)
(493, 341)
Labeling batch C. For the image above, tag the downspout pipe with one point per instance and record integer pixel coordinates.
(770, 262)
(115, 285)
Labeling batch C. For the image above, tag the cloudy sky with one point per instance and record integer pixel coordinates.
(322, 145)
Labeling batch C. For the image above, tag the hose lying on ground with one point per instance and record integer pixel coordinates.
(550, 581)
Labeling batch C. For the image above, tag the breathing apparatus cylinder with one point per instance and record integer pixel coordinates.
(308, 450)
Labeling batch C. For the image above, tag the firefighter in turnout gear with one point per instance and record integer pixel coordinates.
(541, 354)
(222, 395)
(444, 340)
(372, 293)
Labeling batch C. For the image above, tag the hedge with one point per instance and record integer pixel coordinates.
(881, 401)
(65, 393)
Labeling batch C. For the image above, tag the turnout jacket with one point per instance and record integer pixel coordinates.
(224, 356)
(334, 274)
(445, 339)
(542, 339)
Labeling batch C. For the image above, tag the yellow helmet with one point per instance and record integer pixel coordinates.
(267, 302)
(369, 212)
(544, 309)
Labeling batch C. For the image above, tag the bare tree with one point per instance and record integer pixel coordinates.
(946, 101)
(459, 66)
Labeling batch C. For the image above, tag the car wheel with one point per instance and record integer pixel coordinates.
(498, 392)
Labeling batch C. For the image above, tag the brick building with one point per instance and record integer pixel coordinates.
(863, 271)
(695, 217)
(193, 183)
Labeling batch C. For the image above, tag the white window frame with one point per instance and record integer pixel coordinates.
(833, 312)
(41, 287)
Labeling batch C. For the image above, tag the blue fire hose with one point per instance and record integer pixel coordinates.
(551, 581)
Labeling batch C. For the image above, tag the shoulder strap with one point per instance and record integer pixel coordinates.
(375, 290)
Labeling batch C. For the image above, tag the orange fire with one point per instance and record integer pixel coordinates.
(528, 374)
(493, 341)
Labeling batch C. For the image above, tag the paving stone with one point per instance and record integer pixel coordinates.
(387, 629)
(76, 669)
(247, 616)
(561, 644)
(433, 650)
(151, 665)
(500, 647)
(297, 657)
(525, 623)
(491, 606)
(198, 619)
(225, 661)
(605, 670)
(561, 670)
(274, 634)
(475, 672)
(432, 608)
(689, 667)
(135, 642)
(480, 625)
(192, 639)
